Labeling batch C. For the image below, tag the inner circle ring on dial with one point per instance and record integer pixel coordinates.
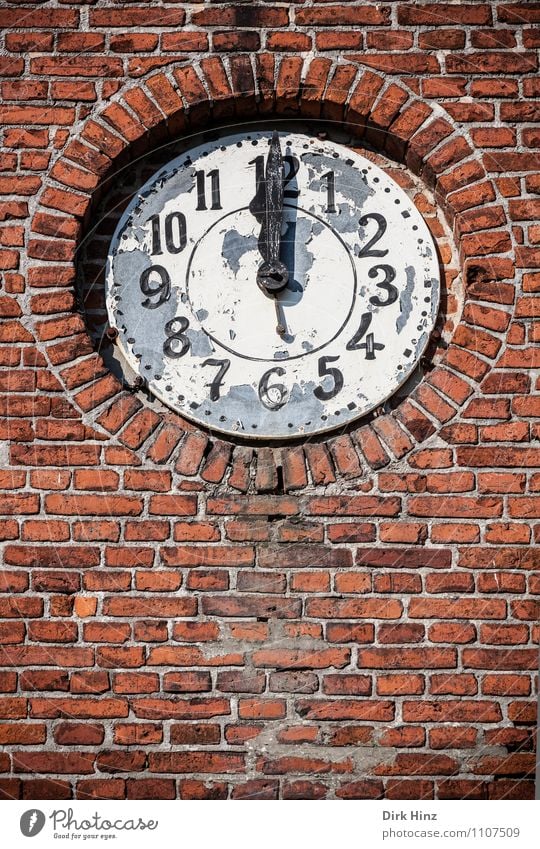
(296, 356)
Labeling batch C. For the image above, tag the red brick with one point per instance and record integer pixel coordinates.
(196, 762)
(54, 762)
(336, 40)
(345, 709)
(407, 658)
(139, 17)
(342, 16)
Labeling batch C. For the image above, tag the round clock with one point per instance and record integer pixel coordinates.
(270, 284)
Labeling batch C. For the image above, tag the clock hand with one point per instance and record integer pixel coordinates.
(281, 326)
(272, 275)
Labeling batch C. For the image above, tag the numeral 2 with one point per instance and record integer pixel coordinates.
(380, 220)
(292, 164)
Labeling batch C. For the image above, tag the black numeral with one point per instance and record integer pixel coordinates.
(258, 162)
(156, 235)
(175, 233)
(217, 383)
(292, 164)
(365, 322)
(386, 285)
(369, 346)
(381, 229)
(275, 395)
(334, 373)
(330, 191)
(160, 289)
(214, 189)
(176, 336)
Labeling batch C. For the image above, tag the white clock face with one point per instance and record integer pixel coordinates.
(356, 314)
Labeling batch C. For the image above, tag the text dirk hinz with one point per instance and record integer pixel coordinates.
(410, 815)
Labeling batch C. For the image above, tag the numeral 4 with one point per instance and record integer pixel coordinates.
(369, 346)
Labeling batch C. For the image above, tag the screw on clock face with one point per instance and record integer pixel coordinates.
(267, 207)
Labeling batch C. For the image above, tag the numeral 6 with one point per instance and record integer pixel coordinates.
(274, 395)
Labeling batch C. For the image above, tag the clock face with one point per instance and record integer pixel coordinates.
(213, 343)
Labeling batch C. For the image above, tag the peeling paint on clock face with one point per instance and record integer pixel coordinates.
(360, 304)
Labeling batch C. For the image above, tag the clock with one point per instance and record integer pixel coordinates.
(272, 284)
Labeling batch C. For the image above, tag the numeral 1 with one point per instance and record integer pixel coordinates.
(258, 162)
(214, 189)
(330, 191)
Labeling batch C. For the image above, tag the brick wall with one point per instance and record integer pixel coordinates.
(354, 617)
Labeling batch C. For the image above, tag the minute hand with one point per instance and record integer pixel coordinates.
(272, 275)
(274, 199)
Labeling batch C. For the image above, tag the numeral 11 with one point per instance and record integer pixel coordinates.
(214, 189)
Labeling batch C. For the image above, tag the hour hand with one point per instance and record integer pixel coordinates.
(272, 275)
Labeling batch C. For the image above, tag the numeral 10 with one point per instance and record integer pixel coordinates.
(174, 230)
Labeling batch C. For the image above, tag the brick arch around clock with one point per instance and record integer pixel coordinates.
(394, 120)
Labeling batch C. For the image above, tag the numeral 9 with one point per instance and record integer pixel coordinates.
(153, 288)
